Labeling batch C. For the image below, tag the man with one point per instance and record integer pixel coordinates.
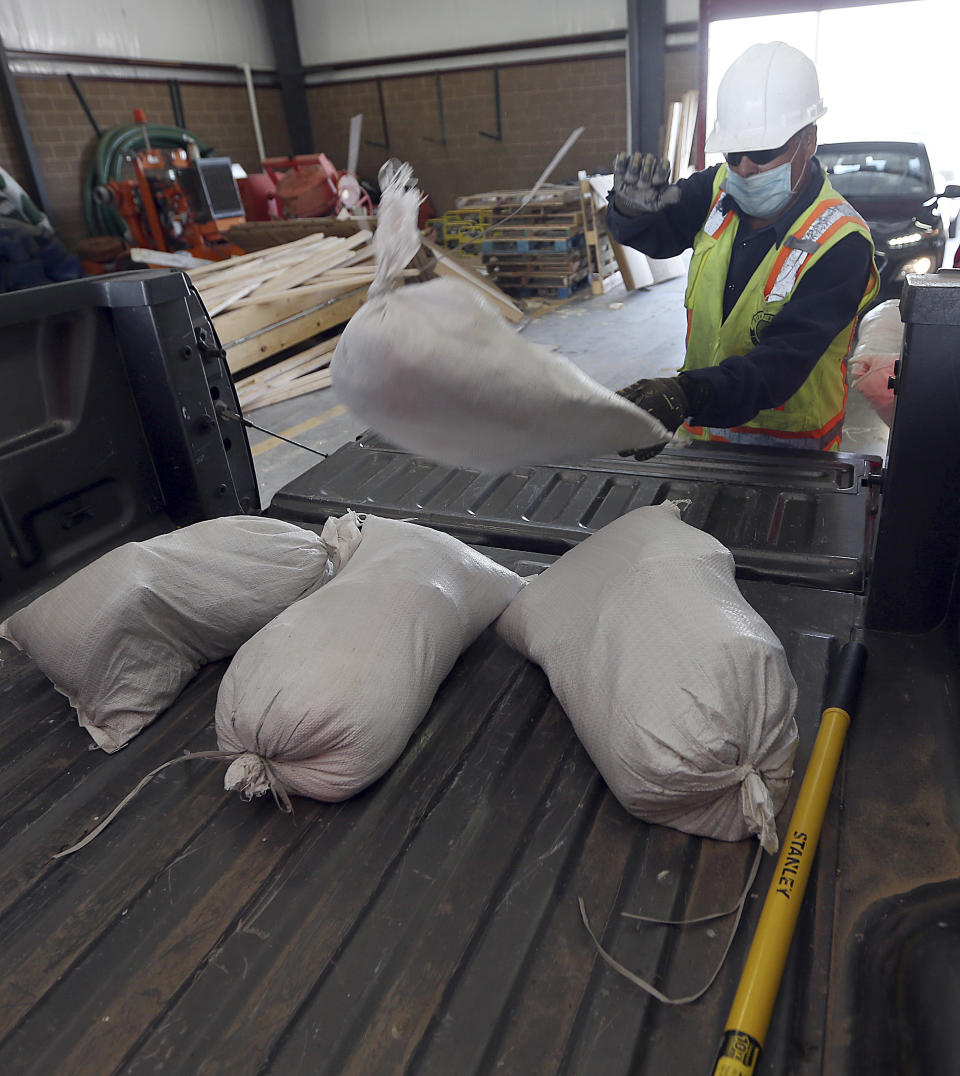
(781, 269)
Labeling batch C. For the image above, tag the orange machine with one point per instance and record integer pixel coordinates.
(310, 186)
(177, 200)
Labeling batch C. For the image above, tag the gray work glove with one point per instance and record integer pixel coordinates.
(641, 184)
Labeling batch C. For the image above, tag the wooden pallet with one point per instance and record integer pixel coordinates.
(562, 226)
(592, 237)
(529, 291)
(565, 261)
(549, 195)
(540, 218)
(498, 246)
(507, 281)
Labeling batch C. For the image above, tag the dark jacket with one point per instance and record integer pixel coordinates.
(824, 301)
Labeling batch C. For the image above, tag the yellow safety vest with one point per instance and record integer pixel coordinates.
(813, 416)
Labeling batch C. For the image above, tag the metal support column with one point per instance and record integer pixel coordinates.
(32, 179)
(286, 51)
(646, 44)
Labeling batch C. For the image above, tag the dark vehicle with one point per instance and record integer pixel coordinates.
(891, 185)
(430, 925)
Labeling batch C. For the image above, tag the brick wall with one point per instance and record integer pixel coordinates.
(540, 105)
(64, 140)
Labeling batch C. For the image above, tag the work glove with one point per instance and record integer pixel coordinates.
(641, 184)
(668, 399)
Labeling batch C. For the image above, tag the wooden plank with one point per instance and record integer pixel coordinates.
(591, 233)
(285, 303)
(670, 146)
(330, 257)
(216, 305)
(255, 316)
(300, 386)
(247, 259)
(262, 234)
(634, 266)
(278, 370)
(688, 127)
(221, 295)
(261, 345)
(449, 266)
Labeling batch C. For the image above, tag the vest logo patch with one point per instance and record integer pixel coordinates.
(760, 319)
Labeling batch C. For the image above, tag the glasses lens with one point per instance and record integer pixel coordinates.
(758, 156)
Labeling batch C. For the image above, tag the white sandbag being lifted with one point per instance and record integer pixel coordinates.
(122, 636)
(436, 370)
(677, 688)
(322, 701)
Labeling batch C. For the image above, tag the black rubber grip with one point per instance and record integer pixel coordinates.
(845, 683)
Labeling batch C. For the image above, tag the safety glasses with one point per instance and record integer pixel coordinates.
(758, 156)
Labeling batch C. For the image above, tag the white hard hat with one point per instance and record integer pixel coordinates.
(765, 97)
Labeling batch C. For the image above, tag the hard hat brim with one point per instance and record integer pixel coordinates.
(769, 137)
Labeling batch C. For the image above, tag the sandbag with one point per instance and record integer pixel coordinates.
(679, 691)
(322, 700)
(122, 636)
(879, 342)
(435, 369)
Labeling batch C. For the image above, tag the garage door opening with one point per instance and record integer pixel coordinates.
(890, 94)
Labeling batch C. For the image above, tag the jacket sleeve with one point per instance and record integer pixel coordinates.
(826, 299)
(672, 230)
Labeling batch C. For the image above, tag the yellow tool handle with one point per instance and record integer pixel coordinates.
(749, 1018)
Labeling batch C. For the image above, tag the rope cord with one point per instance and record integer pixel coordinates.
(647, 986)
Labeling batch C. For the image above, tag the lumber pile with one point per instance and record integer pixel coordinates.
(267, 303)
(278, 309)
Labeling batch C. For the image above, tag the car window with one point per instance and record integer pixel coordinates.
(877, 172)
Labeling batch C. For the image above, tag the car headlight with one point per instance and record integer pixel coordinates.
(918, 265)
(904, 240)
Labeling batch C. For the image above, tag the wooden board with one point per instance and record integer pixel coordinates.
(261, 344)
(333, 253)
(267, 234)
(447, 265)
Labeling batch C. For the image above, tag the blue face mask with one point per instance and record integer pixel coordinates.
(764, 194)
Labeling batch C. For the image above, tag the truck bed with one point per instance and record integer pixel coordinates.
(431, 924)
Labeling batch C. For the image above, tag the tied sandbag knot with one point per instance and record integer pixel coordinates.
(270, 778)
(758, 809)
(253, 775)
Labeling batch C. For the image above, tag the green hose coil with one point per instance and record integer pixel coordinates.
(107, 164)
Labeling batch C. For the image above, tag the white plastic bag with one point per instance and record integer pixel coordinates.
(122, 636)
(878, 347)
(679, 691)
(322, 701)
(436, 370)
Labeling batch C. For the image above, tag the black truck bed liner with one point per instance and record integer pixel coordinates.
(431, 923)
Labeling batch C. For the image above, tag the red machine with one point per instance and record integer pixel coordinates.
(177, 201)
(310, 186)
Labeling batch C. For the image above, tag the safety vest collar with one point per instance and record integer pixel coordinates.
(718, 221)
(816, 230)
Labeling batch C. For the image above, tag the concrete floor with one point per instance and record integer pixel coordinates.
(616, 338)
